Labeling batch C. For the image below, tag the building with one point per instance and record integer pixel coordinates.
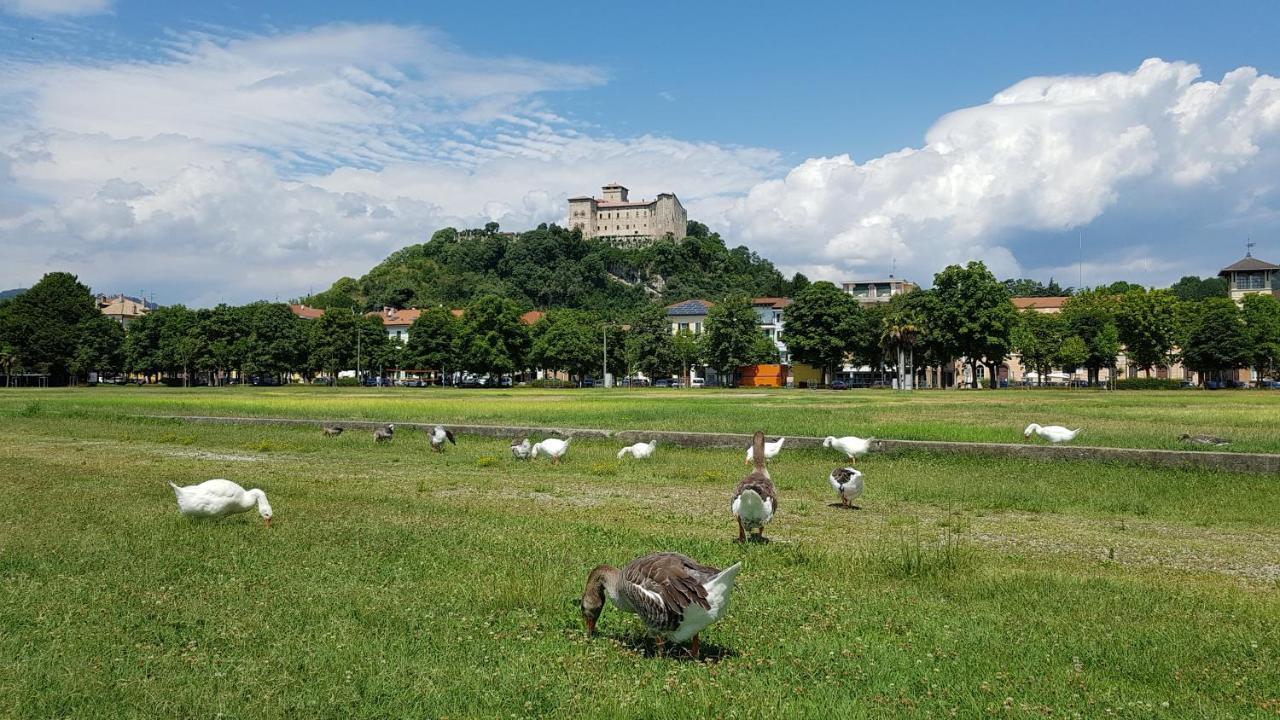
(878, 291)
(628, 223)
(122, 308)
(1047, 305)
(1248, 276)
(688, 315)
(397, 322)
(304, 312)
(770, 311)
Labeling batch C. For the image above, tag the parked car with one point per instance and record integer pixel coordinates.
(697, 382)
(663, 382)
(838, 385)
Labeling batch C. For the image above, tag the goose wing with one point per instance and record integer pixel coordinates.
(449, 434)
(662, 586)
(762, 484)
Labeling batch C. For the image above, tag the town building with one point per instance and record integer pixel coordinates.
(628, 223)
(878, 291)
(122, 308)
(396, 322)
(690, 315)
(1250, 275)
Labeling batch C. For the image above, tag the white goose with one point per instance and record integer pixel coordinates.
(438, 438)
(851, 446)
(771, 450)
(219, 498)
(555, 448)
(847, 482)
(521, 449)
(1053, 433)
(639, 451)
(675, 596)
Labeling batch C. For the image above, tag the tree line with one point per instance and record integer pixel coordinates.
(969, 316)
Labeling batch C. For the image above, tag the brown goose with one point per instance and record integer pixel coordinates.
(675, 596)
(438, 438)
(384, 434)
(333, 430)
(1204, 440)
(754, 499)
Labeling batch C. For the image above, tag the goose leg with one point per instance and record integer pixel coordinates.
(661, 644)
(844, 501)
(696, 646)
(742, 533)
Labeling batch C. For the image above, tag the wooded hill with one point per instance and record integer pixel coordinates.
(551, 267)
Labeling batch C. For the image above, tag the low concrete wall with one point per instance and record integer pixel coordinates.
(1215, 460)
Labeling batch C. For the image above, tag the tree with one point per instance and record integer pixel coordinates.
(688, 349)
(820, 327)
(1038, 340)
(1191, 287)
(8, 362)
(278, 339)
(53, 327)
(975, 318)
(1218, 340)
(375, 348)
(1090, 316)
(491, 339)
(1072, 354)
(431, 339)
(332, 339)
(566, 340)
(1146, 323)
(98, 347)
(900, 330)
(732, 335)
(1024, 287)
(1261, 315)
(647, 346)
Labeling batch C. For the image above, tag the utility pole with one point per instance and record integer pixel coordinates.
(604, 356)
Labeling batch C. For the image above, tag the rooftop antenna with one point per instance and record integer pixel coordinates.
(894, 270)
(1248, 247)
(1080, 259)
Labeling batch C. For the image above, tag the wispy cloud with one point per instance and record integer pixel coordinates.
(54, 8)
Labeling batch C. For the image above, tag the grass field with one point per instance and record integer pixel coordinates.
(396, 582)
(1115, 419)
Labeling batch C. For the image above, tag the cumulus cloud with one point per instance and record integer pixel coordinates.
(53, 8)
(237, 168)
(1002, 181)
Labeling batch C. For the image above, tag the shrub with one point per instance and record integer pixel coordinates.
(551, 383)
(1148, 384)
(348, 382)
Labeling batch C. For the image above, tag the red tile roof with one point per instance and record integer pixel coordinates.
(532, 317)
(304, 312)
(392, 316)
(775, 302)
(1040, 303)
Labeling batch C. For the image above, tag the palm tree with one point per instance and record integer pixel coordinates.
(8, 362)
(899, 333)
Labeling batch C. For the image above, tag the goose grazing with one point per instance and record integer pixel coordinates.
(851, 446)
(771, 450)
(639, 451)
(521, 449)
(438, 438)
(1053, 433)
(754, 499)
(675, 597)
(333, 430)
(1205, 440)
(847, 482)
(384, 434)
(555, 448)
(219, 498)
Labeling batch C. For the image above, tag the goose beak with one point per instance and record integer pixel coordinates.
(268, 521)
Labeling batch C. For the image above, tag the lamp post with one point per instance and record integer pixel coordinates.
(604, 356)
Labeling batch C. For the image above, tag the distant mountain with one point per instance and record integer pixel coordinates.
(6, 294)
(552, 267)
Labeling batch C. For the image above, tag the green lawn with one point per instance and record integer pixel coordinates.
(1139, 419)
(396, 582)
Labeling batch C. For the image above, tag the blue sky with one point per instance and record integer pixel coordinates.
(308, 140)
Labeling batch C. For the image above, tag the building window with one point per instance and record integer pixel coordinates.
(684, 326)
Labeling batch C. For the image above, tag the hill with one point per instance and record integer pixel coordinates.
(15, 292)
(552, 267)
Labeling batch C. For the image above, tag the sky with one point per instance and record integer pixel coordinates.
(219, 152)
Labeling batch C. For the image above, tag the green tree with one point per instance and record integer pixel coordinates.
(647, 346)
(8, 362)
(1219, 340)
(1191, 287)
(1090, 316)
(568, 341)
(732, 335)
(688, 349)
(431, 339)
(332, 340)
(901, 329)
(99, 346)
(1261, 314)
(1038, 340)
(1146, 322)
(278, 339)
(821, 325)
(376, 351)
(1072, 354)
(53, 324)
(491, 339)
(1025, 287)
(974, 316)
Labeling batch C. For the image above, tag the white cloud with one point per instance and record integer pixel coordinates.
(1046, 155)
(54, 8)
(261, 166)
